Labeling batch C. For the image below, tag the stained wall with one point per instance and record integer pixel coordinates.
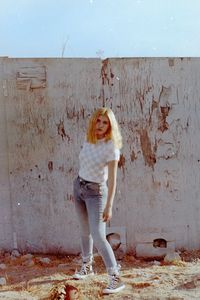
(45, 105)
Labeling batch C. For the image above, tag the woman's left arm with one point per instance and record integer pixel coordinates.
(112, 178)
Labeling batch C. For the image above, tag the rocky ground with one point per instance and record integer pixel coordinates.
(31, 277)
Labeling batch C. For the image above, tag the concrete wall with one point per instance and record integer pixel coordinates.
(45, 105)
(6, 230)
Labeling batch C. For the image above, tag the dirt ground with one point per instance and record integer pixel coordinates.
(29, 278)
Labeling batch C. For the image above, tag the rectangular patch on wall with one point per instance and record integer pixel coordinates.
(31, 78)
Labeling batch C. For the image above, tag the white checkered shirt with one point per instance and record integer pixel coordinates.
(93, 160)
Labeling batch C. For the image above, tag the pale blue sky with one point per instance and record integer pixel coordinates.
(99, 28)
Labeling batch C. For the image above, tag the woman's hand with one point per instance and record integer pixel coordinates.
(107, 214)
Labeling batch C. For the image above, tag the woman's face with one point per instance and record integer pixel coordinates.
(102, 126)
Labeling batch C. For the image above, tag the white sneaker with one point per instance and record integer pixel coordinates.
(115, 285)
(85, 271)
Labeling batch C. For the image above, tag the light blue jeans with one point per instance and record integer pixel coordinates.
(90, 201)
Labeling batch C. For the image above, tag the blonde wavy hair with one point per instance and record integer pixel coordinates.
(113, 132)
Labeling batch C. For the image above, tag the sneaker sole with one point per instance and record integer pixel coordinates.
(79, 277)
(108, 291)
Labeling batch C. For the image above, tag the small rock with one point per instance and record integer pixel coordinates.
(2, 281)
(27, 256)
(15, 253)
(171, 257)
(45, 260)
(2, 266)
(171, 267)
(156, 263)
(156, 281)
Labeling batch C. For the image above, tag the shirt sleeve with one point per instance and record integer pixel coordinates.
(112, 152)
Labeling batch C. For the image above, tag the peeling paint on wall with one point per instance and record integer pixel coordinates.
(133, 156)
(31, 78)
(107, 79)
(164, 112)
(106, 72)
(147, 149)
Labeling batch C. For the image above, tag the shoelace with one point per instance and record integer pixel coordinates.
(84, 269)
(114, 280)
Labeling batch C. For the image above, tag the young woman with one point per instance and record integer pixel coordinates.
(94, 191)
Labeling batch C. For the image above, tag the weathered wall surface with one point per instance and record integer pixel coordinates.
(45, 105)
(6, 230)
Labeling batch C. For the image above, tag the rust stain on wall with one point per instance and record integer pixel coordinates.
(140, 98)
(133, 156)
(155, 183)
(106, 72)
(61, 131)
(61, 168)
(107, 76)
(74, 113)
(164, 112)
(50, 166)
(171, 62)
(70, 197)
(121, 163)
(147, 151)
(154, 105)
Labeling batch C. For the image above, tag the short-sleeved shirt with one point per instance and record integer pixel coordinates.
(94, 158)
